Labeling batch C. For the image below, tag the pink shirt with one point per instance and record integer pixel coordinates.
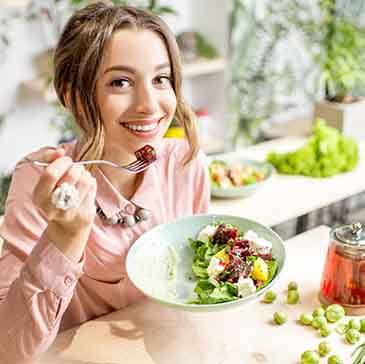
(43, 292)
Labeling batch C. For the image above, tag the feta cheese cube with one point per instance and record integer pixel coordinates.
(246, 286)
(215, 267)
(206, 233)
(259, 245)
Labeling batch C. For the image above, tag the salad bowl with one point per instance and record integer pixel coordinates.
(232, 176)
(161, 262)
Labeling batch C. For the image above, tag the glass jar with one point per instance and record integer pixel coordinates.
(343, 278)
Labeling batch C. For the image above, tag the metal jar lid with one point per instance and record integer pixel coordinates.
(352, 237)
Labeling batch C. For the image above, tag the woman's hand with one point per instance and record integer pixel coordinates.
(67, 229)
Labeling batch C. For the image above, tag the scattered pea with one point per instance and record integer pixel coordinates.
(325, 331)
(269, 297)
(352, 336)
(334, 312)
(319, 322)
(280, 317)
(306, 319)
(341, 328)
(293, 297)
(318, 312)
(362, 325)
(292, 286)
(334, 359)
(324, 348)
(354, 324)
(309, 357)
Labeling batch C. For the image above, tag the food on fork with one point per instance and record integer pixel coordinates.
(146, 154)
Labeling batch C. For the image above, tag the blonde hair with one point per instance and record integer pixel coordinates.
(77, 59)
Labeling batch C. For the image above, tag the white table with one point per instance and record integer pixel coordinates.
(286, 197)
(147, 333)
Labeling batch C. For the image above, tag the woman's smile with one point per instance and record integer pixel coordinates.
(143, 128)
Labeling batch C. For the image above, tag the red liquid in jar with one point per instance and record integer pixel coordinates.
(343, 279)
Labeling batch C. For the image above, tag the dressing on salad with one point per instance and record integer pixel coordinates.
(229, 265)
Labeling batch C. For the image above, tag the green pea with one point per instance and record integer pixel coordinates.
(306, 319)
(280, 317)
(324, 348)
(319, 322)
(292, 297)
(318, 312)
(341, 328)
(292, 286)
(309, 357)
(362, 325)
(352, 336)
(334, 313)
(334, 359)
(354, 324)
(269, 297)
(325, 331)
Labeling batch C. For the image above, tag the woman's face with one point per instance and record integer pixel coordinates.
(134, 91)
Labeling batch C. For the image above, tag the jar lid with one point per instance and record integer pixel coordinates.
(352, 234)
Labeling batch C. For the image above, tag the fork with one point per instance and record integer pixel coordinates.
(135, 167)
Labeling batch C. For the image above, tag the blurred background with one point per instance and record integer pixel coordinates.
(253, 70)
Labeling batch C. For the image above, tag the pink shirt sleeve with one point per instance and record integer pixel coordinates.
(36, 280)
(201, 203)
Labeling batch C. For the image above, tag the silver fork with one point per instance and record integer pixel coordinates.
(137, 166)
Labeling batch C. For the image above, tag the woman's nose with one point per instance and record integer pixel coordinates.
(146, 99)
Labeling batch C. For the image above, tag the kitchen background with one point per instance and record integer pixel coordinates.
(253, 70)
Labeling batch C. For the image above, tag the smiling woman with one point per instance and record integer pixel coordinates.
(118, 70)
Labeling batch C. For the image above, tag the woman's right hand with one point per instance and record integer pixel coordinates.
(67, 229)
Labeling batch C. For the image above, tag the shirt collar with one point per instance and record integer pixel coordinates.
(146, 196)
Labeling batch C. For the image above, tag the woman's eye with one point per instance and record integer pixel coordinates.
(163, 80)
(120, 83)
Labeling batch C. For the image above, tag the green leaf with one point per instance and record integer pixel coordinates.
(205, 49)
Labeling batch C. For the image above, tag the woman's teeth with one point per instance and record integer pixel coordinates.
(134, 127)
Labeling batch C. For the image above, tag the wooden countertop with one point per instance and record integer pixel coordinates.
(148, 333)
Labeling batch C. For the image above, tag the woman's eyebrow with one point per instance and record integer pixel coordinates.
(129, 69)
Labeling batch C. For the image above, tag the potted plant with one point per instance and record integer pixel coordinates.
(341, 59)
(261, 87)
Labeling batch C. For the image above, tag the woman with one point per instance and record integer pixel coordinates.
(118, 70)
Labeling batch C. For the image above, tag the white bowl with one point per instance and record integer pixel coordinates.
(147, 260)
(244, 191)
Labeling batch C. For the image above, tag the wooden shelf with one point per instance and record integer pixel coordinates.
(203, 67)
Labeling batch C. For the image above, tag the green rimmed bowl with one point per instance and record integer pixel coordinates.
(149, 260)
(244, 191)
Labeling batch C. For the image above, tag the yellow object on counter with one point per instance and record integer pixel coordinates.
(175, 132)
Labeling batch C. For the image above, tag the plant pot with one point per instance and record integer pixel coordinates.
(349, 118)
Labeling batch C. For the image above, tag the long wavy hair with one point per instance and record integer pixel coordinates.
(77, 59)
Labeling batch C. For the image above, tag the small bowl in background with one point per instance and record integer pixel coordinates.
(229, 190)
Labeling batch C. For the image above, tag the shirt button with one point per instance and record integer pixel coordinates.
(129, 208)
(68, 281)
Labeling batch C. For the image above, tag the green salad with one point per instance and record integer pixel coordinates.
(326, 153)
(229, 265)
